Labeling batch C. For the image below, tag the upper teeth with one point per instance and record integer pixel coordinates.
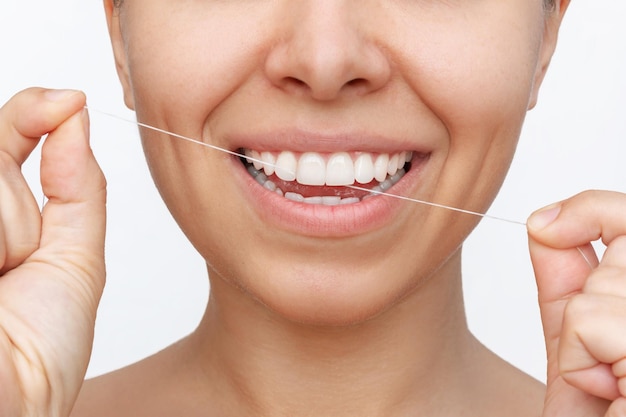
(337, 169)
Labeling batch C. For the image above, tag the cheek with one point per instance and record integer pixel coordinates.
(480, 82)
(477, 77)
(192, 183)
(189, 59)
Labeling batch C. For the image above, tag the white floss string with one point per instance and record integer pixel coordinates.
(354, 187)
(217, 148)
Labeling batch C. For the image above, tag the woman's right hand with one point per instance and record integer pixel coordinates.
(52, 262)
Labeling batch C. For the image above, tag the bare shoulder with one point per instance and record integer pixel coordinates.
(117, 393)
(152, 387)
(510, 392)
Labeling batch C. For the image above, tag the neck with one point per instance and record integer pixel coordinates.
(405, 358)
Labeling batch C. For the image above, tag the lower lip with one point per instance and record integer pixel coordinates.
(318, 220)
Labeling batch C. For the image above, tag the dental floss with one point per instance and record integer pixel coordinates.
(382, 193)
(188, 139)
(473, 213)
(585, 257)
(354, 187)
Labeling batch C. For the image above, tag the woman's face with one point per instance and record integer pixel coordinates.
(335, 92)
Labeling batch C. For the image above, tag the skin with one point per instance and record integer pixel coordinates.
(368, 323)
(470, 126)
(323, 298)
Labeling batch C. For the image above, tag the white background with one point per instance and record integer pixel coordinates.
(157, 287)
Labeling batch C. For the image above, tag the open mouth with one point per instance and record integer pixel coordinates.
(327, 179)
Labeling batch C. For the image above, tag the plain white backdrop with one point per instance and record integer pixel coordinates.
(157, 287)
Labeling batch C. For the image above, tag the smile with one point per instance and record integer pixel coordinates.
(325, 179)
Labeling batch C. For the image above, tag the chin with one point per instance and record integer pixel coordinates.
(330, 299)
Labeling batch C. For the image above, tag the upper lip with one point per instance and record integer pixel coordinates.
(297, 140)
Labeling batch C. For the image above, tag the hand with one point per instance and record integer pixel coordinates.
(51, 263)
(583, 303)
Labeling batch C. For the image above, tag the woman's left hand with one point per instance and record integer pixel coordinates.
(583, 303)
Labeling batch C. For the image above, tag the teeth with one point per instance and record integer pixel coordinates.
(337, 169)
(294, 197)
(340, 170)
(311, 169)
(364, 169)
(254, 158)
(331, 200)
(269, 162)
(286, 165)
(349, 200)
(392, 167)
(269, 185)
(381, 166)
(320, 200)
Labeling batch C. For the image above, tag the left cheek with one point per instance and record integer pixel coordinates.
(480, 92)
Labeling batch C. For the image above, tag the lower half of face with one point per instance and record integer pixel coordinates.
(420, 100)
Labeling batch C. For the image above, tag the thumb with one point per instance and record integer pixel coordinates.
(73, 219)
(561, 262)
(560, 249)
(560, 274)
(562, 257)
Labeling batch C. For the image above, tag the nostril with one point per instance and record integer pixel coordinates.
(294, 84)
(357, 82)
(295, 81)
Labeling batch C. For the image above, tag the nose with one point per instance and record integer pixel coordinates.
(326, 51)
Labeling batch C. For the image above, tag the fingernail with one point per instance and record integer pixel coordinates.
(542, 218)
(59, 95)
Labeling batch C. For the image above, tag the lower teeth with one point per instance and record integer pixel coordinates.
(334, 200)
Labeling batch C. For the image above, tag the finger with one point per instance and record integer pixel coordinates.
(31, 114)
(27, 116)
(609, 278)
(560, 274)
(563, 400)
(592, 340)
(20, 220)
(73, 219)
(584, 218)
(556, 233)
(617, 408)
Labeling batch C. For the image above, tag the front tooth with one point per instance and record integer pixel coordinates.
(269, 162)
(313, 200)
(331, 200)
(286, 165)
(364, 169)
(311, 169)
(340, 170)
(380, 167)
